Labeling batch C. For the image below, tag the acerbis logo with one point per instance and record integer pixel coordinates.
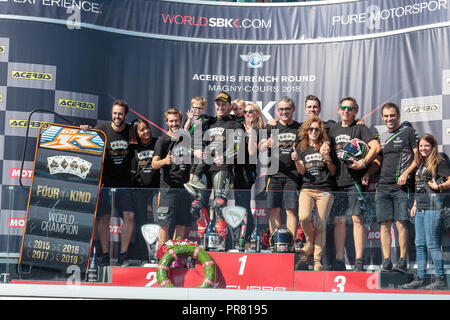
(31, 75)
(2, 49)
(255, 59)
(216, 22)
(432, 107)
(76, 104)
(23, 123)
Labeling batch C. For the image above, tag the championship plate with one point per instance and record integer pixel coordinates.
(63, 198)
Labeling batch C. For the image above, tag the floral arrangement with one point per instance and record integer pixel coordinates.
(173, 250)
(171, 244)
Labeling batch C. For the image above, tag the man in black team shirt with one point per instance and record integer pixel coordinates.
(284, 184)
(348, 179)
(222, 136)
(116, 174)
(399, 145)
(172, 157)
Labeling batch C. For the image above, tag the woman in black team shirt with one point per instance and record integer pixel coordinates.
(318, 172)
(432, 177)
(143, 177)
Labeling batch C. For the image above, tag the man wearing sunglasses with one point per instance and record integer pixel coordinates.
(283, 186)
(349, 181)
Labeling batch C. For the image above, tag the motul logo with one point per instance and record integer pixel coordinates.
(15, 173)
(16, 223)
(376, 235)
(115, 229)
(259, 212)
(373, 235)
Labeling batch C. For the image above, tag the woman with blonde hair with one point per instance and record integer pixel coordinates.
(432, 178)
(246, 170)
(318, 170)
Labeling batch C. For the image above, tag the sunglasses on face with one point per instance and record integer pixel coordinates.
(284, 109)
(197, 108)
(248, 111)
(313, 129)
(349, 108)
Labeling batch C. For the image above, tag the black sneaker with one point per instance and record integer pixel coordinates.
(438, 284)
(339, 265)
(123, 259)
(105, 260)
(400, 266)
(415, 284)
(387, 265)
(359, 265)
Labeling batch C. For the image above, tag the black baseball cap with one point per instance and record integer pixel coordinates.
(223, 96)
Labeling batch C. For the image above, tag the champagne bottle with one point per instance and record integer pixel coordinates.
(211, 236)
(93, 267)
(255, 240)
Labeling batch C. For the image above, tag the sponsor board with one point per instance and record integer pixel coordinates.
(446, 132)
(4, 49)
(3, 92)
(12, 222)
(66, 6)
(35, 76)
(11, 172)
(445, 81)
(16, 123)
(421, 108)
(76, 104)
(215, 22)
(61, 211)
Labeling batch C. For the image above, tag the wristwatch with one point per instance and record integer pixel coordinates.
(362, 163)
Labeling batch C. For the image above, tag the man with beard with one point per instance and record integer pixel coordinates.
(116, 174)
(222, 136)
(399, 146)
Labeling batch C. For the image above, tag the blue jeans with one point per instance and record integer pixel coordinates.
(428, 236)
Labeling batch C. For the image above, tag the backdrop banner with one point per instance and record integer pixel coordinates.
(74, 57)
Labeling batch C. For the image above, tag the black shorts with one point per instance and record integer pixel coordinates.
(123, 201)
(348, 201)
(392, 203)
(172, 207)
(283, 191)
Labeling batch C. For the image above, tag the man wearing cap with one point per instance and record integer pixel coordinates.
(222, 136)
